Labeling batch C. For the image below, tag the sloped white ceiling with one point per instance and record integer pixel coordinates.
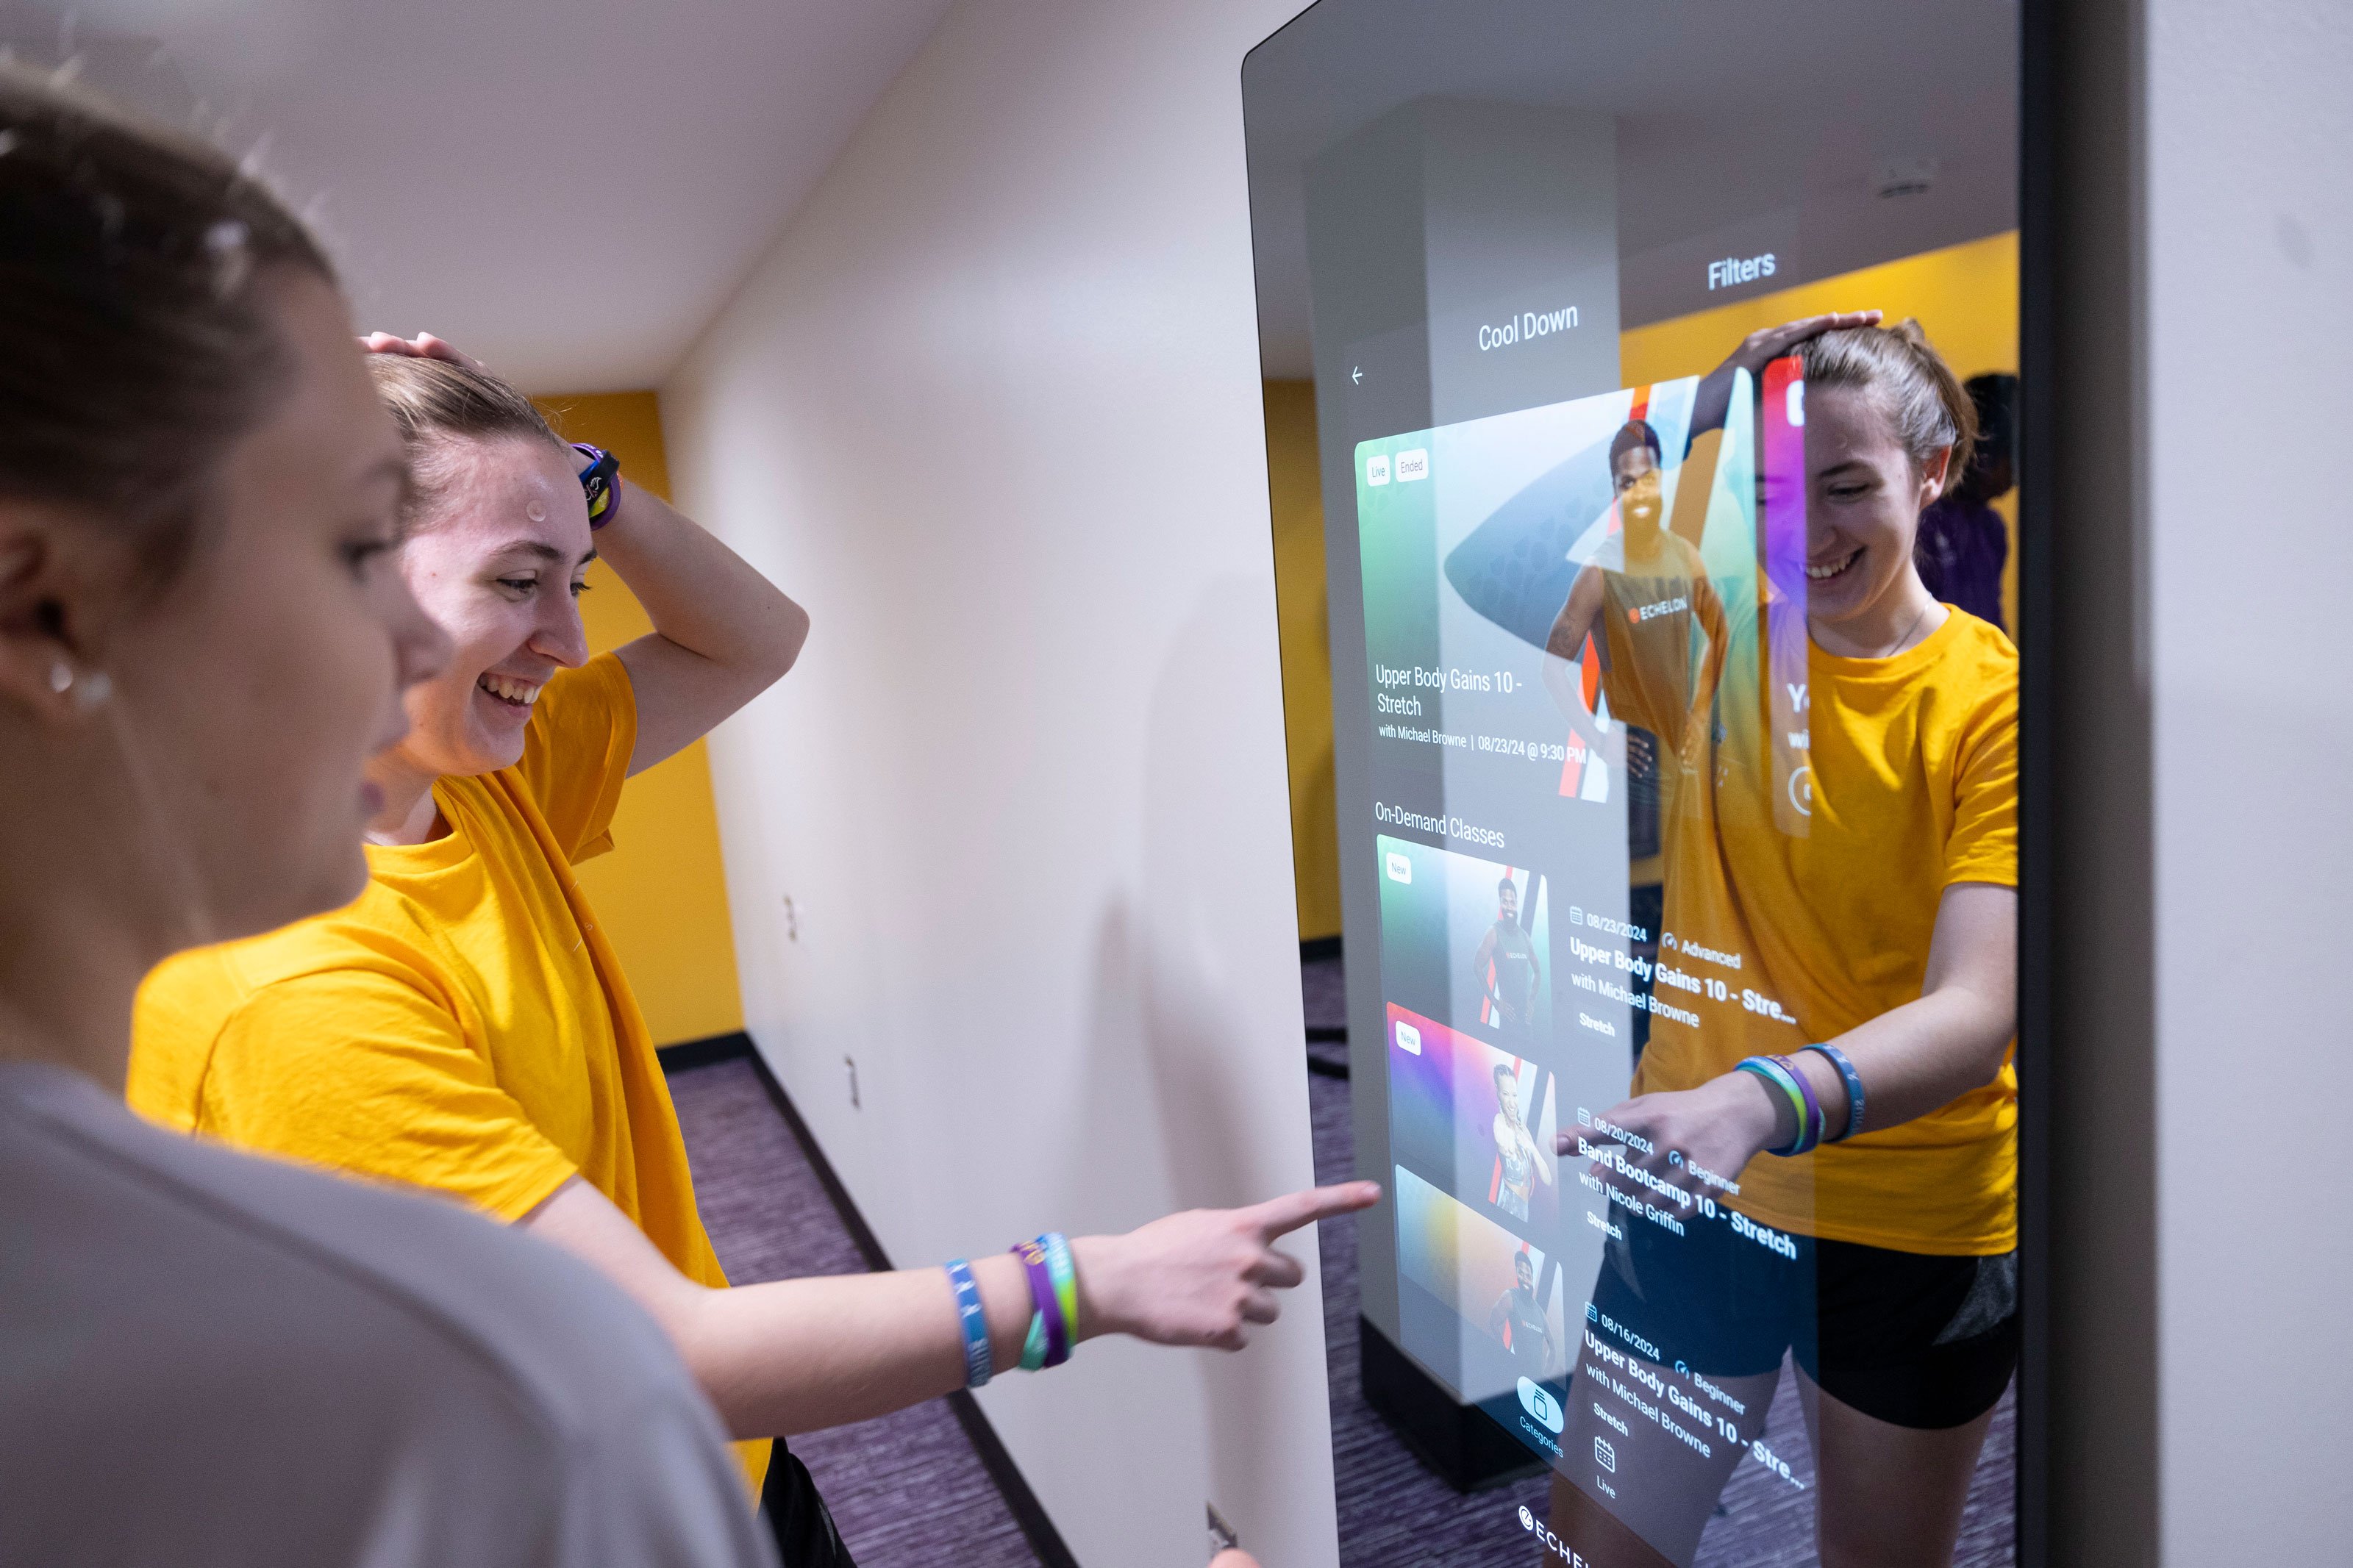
(568, 190)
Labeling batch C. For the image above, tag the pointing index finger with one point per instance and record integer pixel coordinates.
(1280, 1216)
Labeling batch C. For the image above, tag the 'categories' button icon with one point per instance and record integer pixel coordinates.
(1538, 1402)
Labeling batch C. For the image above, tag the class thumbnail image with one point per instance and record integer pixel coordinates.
(1480, 1305)
(1475, 1119)
(1467, 941)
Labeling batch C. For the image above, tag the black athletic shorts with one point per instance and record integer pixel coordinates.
(1915, 1340)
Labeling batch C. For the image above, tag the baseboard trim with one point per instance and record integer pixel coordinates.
(702, 1053)
(1027, 1512)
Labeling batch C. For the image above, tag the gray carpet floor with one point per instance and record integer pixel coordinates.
(900, 1486)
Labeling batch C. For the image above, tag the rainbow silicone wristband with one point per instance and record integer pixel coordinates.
(1048, 1303)
(973, 1318)
(1837, 1058)
(1778, 1076)
(1033, 1349)
(1065, 1271)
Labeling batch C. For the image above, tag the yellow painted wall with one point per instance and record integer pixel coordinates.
(1296, 489)
(1965, 296)
(663, 892)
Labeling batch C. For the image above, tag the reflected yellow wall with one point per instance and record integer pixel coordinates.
(1295, 492)
(1965, 296)
(662, 892)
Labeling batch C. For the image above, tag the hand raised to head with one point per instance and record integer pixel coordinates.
(1761, 347)
(424, 345)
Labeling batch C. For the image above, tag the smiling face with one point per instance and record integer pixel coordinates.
(1634, 474)
(1864, 500)
(498, 563)
(1507, 902)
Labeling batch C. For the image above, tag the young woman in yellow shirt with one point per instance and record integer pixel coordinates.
(465, 1027)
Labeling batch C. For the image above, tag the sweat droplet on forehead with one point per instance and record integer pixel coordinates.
(535, 512)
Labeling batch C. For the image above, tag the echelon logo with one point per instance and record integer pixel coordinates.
(1559, 1548)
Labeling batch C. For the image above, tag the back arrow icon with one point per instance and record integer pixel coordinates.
(1357, 376)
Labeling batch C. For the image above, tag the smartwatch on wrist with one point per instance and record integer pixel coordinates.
(600, 482)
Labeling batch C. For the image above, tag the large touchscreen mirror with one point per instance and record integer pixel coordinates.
(1662, 366)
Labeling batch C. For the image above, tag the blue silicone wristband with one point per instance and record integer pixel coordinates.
(973, 1317)
(1837, 1058)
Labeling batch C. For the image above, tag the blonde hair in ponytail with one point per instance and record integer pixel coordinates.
(438, 406)
(1917, 390)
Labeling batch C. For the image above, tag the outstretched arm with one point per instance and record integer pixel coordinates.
(1912, 1059)
(798, 1355)
(1927, 1054)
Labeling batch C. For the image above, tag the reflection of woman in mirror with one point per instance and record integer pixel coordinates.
(1505, 967)
(1518, 1163)
(1853, 1080)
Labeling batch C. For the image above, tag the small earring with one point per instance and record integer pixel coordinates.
(89, 693)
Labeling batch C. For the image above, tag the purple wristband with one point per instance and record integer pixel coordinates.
(1810, 1134)
(1047, 1299)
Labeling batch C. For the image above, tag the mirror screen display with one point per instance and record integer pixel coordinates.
(1663, 364)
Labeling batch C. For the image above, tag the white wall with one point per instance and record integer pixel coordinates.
(990, 408)
(2249, 318)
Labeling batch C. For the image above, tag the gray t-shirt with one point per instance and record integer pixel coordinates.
(212, 1359)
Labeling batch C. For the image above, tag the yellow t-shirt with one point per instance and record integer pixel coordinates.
(465, 1026)
(1914, 763)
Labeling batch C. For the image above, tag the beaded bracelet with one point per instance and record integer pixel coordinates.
(1837, 1058)
(973, 1318)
